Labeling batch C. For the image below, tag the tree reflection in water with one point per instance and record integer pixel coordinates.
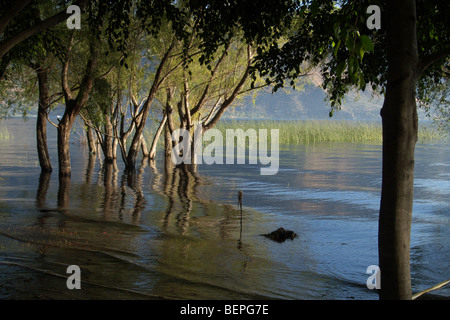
(126, 199)
(134, 216)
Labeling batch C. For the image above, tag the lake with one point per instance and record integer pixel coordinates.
(149, 235)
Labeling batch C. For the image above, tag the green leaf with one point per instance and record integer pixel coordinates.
(349, 42)
(359, 50)
(362, 81)
(340, 68)
(367, 44)
(336, 29)
(336, 48)
(351, 64)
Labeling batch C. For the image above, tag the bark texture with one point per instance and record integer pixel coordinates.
(41, 121)
(400, 127)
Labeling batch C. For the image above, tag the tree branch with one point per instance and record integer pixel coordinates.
(11, 12)
(88, 80)
(65, 70)
(200, 103)
(36, 28)
(427, 61)
(228, 101)
(209, 116)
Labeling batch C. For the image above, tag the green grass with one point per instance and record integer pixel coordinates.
(314, 131)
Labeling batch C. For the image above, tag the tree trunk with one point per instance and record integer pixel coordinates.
(64, 147)
(110, 152)
(400, 126)
(73, 107)
(41, 122)
(64, 193)
(122, 138)
(44, 183)
(168, 164)
(91, 138)
(144, 147)
(161, 127)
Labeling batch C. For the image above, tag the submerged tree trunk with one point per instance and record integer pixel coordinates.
(110, 152)
(168, 130)
(168, 164)
(144, 148)
(41, 122)
(400, 126)
(64, 193)
(161, 127)
(44, 183)
(91, 138)
(64, 127)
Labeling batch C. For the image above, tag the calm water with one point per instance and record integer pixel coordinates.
(150, 235)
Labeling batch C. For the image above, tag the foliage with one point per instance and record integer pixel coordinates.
(330, 34)
(434, 97)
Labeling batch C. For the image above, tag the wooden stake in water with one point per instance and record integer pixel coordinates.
(240, 194)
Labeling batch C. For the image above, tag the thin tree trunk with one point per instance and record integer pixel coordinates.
(64, 146)
(168, 130)
(123, 136)
(161, 127)
(110, 153)
(168, 164)
(144, 148)
(91, 138)
(41, 122)
(400, 127)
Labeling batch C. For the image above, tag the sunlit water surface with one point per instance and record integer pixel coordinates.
(148, 235)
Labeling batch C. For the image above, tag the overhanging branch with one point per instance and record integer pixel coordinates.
(427, 61)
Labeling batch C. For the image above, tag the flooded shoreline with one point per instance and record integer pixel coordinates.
(150, 235)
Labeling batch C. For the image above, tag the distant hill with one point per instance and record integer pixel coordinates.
(307, 104)
(288, 104)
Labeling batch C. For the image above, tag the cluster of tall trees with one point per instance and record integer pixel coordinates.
(190, 60)
(112, 81)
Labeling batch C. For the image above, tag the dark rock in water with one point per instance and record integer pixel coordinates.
(281, 235)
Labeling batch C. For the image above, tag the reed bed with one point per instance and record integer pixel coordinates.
(5, 135)
(315, 131)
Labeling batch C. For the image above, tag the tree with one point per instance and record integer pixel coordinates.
(41, 121)
(41, 60)
(201, 92)
(33, 54)
(157, 82)
(400, 129)
(151, 56)
(404, 57)
(73, 102)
